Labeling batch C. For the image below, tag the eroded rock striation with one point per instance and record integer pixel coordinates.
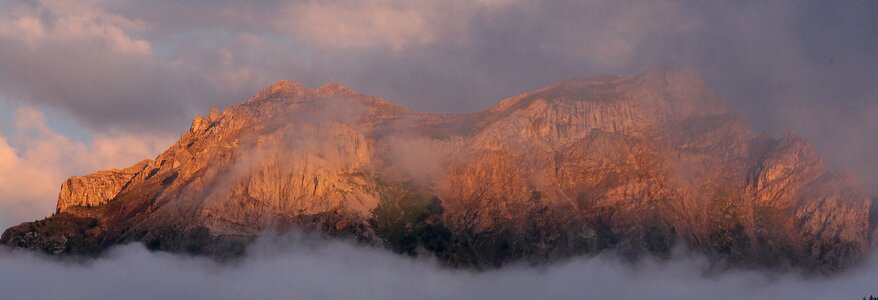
(630, 164)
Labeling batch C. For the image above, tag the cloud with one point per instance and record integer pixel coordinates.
(612, 36)
(306, 267)
(395, 25)
(35, 160)
(415, 157)
(149, 66)
(86, 61)
(353, 24)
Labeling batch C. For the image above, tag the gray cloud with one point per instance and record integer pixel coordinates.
(91, 63)
(304, 267)
(802, 65)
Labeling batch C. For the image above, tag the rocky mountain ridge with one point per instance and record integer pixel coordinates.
(630, 164)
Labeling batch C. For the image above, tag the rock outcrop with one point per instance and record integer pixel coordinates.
(635, 165)
(98, 188)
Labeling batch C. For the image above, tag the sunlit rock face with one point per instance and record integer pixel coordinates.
(97, 188)
(632, 165)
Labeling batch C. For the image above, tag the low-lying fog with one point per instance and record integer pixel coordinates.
(302, 267)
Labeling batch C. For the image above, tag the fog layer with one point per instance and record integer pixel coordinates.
(302, 267)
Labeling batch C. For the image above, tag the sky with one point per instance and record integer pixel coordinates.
(94, 84)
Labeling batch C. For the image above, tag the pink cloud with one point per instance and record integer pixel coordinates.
(36, 160)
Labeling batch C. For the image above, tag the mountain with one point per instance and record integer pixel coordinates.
(632, 165)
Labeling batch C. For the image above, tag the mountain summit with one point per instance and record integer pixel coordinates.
(629, 164)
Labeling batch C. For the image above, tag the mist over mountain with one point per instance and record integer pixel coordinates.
(634, 166)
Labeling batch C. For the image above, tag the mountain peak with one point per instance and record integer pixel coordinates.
(282, 88)
(286, 85)
(333, 89)
(617, 102)
(676, 73)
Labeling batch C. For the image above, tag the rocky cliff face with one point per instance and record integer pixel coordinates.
(96, 189)
(633, 165)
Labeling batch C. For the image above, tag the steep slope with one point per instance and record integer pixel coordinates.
(633, 165)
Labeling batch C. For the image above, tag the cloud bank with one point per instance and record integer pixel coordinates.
(140, 67)
(37, 159)
(304, 267)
